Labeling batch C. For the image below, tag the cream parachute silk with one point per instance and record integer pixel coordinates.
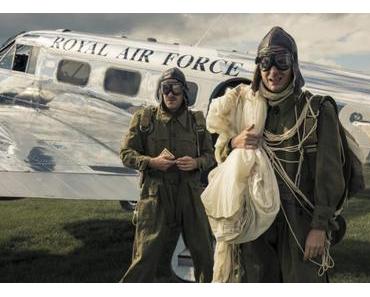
(242, 197)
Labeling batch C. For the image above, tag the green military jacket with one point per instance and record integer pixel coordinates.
(173, 132)
(322, 179)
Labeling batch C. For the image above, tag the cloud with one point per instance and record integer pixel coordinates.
(317, 35)
(320, 37)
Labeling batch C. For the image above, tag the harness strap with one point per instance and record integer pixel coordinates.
(271, 147)
(307, 121)
(199, 128)
(146, 124)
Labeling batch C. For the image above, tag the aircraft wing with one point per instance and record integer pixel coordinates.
(352, 92)
(68, 148)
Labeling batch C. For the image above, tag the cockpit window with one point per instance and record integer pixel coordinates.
(19, 57)
(22, 57)
(122, 81)
(6, 61)
(73, 72)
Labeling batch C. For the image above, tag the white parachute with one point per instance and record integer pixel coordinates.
(242, 197)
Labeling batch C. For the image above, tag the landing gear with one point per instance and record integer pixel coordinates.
(128, 205)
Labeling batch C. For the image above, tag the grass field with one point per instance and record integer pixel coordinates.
(352, 255)
(63, 241)
(45, 240)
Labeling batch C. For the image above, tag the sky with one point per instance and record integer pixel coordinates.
(341, 40)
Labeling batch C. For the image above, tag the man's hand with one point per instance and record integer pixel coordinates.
(161, 162)
(186, 163)
(315, 244)
(246, 139)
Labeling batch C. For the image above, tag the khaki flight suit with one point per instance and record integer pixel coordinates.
(275, 255)
(170, 201)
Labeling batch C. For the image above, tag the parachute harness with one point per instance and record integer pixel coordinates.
(271, 146)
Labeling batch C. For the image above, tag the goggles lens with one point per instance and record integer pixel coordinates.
(175, 88)
(281, 61)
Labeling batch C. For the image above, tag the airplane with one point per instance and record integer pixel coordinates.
(66, 99)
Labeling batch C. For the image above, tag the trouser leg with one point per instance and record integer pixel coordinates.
(196, 232)
(150, 235)
(259, 258)
(293, 267)
(164, 270)
(276, 257)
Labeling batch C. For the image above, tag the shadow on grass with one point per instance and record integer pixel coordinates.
(103, 256)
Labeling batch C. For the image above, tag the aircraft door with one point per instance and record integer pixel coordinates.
(220, 90)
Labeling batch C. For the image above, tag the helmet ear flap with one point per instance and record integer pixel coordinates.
(256, 78)
(158, 94)
(298, 80)
(186, 98)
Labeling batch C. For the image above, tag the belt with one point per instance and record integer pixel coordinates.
(174, 175)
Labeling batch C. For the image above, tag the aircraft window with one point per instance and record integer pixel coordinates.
(7, 60)
(193, 91)
(122, 81)
(21, 58)
(73, 72)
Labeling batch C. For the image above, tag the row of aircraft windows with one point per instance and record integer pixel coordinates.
(23, 58)
(118, 81)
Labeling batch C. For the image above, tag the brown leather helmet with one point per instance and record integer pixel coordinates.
(276, 40)
(173, 73)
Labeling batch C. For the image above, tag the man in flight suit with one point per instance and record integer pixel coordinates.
(284, 253)
(170, 145)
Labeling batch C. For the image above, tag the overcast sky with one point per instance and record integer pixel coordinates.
(334, 39)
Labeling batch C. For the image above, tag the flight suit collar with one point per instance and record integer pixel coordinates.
(165, 116)
(288, 104)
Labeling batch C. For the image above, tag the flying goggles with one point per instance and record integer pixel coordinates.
(175, 88)
(282, 61)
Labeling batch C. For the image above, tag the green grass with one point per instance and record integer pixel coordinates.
(352, 255)
(45, 240)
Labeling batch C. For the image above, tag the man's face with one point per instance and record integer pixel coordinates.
(276, 71)
(173, 94)
(276, 80)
